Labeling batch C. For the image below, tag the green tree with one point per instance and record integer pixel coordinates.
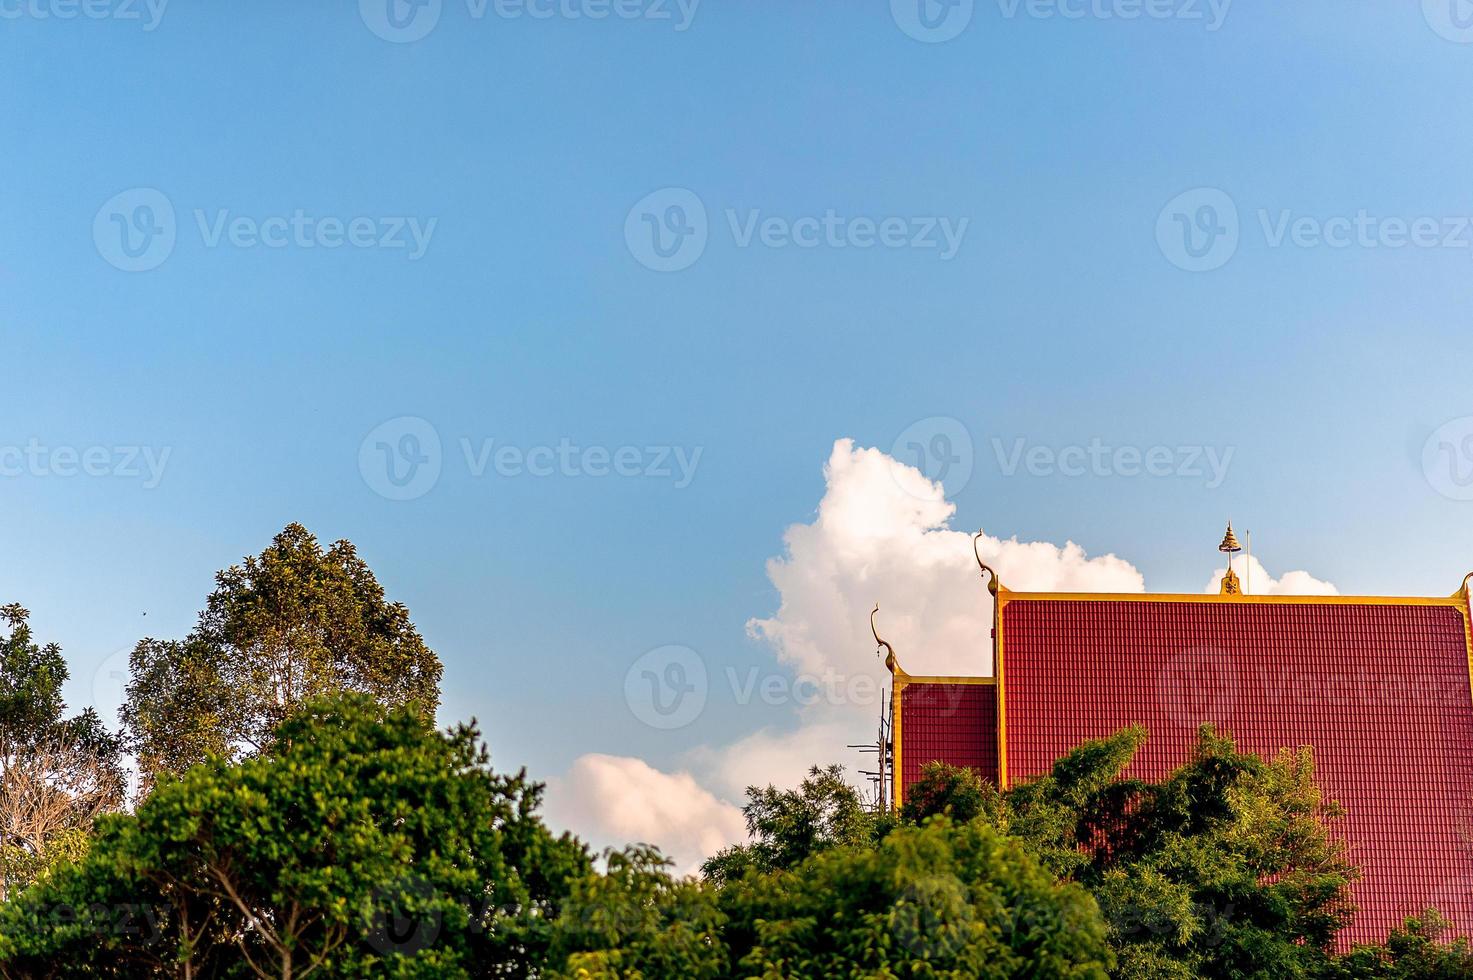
(295, 623)
(951, 791)
(57, 774)
(362, 843)
(1227, 868)
(942, 902)
(1419, 950)
(788, 826)
(637, 921)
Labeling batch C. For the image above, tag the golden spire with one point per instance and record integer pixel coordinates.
(1230, 547)
(891, 664)
(987, 570)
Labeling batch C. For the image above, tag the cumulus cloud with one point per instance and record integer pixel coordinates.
(784, 758)
(611, 801)
(882, 533)
(1257, 581)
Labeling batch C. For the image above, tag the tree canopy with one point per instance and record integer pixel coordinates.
(362, 844)
(294, 623)
(302, 817)
(57, 774)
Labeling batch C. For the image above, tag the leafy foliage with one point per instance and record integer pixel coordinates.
(789, 826)
(636, 921)
(293, 624)
(363, 843)
(1227, 868)
(951, 791)
(939, 901)
(56, 774)
(1419, 950)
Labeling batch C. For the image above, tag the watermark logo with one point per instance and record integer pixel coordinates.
(933, 918)
(1211, 13)
(932, 21)
(1198, 687)
(941, 448)
(1198, 230)
(149, 13)
(109, 694)
(37, 460)
(1451, 19)
(1209, 464)
(135, 230)
(667, 230)
(406, 21)
(400, 459)
(1447, 459)
(400, 21)
(567, 459)
(406, 917)
(667, 687)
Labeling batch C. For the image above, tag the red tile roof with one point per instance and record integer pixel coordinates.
(1380, 688)
(955, 723)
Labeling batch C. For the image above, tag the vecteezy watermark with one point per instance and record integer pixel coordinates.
(148, 13)
(1451, 19)
(568, 459)
(1199, 230)
(1198, 687)
(666, 688)
(109, 694)
(805, 689)
(35, 459)
(402, 459)
(1211, 13)
(669, 687)
(1447, 459)
(932, 21)
(941, 448)
(935, 21)
(1097, 459)
(137, 229)
(667, 230)
(405, 21)
(406, 917)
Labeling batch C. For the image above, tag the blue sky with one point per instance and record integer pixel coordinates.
(1063, 151)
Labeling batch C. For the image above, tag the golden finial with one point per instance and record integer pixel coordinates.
(1230, 547)
(992, 583)
(1462, 592)
(891, 664)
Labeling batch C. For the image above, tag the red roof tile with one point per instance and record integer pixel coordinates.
(1379, 688)
(953, 723)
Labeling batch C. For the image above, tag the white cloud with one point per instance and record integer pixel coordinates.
(611, 801)
(882, 533)
(784, 758)
(1256, 580)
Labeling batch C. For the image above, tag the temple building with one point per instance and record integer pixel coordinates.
(1381, 688)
